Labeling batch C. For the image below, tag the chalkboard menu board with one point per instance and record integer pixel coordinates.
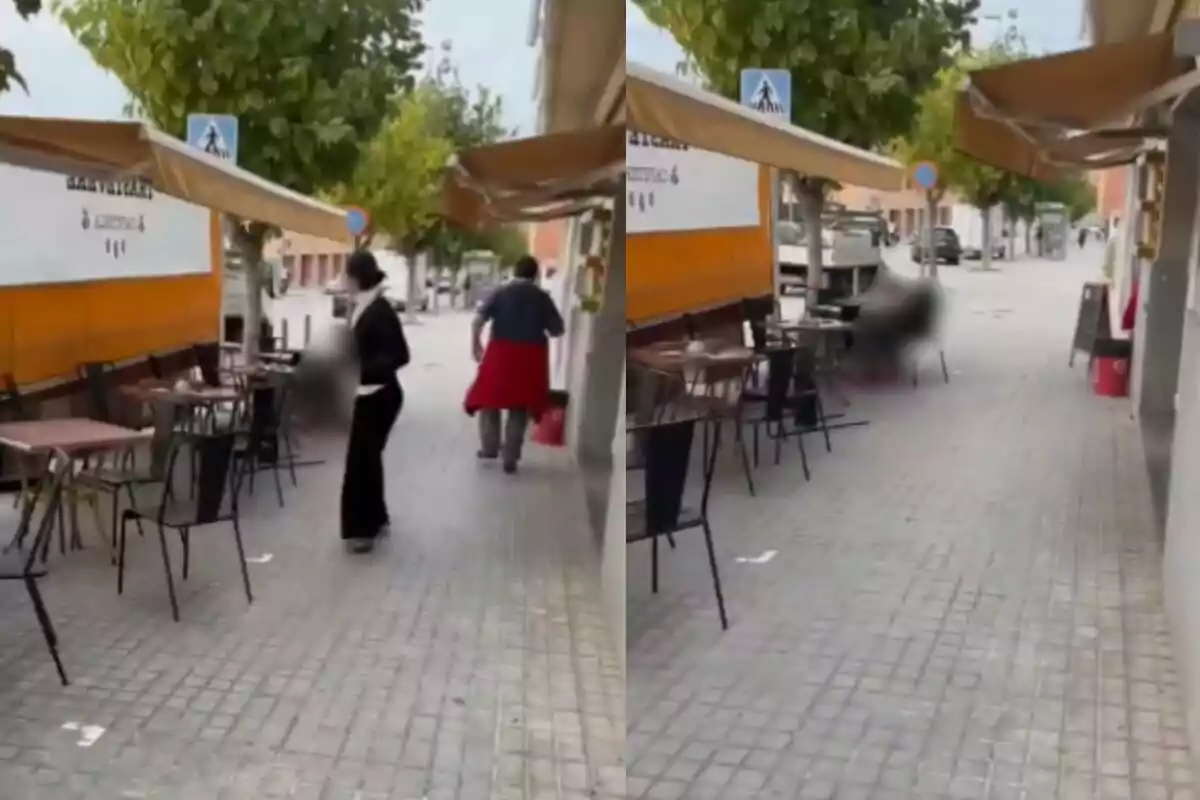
(1092, 323)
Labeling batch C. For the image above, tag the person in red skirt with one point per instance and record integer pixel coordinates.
(514, 368)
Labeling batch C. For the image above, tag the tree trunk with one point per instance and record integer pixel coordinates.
(249, 241)
(812, 205)
(930, 247)
(985, 262)
(410, 305)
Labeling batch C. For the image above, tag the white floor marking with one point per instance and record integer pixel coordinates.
(88, 734)
(764, 558)
(263, 559)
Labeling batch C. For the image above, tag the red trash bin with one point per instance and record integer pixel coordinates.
(1110, 368)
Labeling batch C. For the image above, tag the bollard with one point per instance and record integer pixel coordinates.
(283, 333)
(307, 330)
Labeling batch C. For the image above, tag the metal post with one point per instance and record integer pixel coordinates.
(283, 332)
(307, 329)
(774, 177)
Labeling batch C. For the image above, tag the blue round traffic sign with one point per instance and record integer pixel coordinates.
(925, 175)
(357, 221)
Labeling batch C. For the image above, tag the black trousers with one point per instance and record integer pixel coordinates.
(364, 510)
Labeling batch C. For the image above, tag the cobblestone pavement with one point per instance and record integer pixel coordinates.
(467, 658)
(965, 603)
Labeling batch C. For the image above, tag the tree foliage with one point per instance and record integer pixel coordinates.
(8, 62)
(468, 118)
(398, 177)
(307, 85)
(858, 67)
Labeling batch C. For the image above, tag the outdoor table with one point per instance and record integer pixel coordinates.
(71, 437)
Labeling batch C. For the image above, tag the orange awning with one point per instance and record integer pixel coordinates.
(664, 105)
(116, 150)
(536, 178)
(1081, 89)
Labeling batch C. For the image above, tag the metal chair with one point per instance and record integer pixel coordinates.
(16, 565)
(663, 513)
(266, 442)
(216, 500)
(14, 408)
(113, 480)
(718, 392)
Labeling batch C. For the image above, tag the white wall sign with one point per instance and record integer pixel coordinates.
(57, 228)
(675, 187)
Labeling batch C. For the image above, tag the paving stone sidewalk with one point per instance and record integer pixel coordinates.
(966, 600)
(467, 659)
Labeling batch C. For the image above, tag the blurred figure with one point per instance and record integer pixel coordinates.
(380, 350)
(1082, 237)
(514, 369)
(896, 314)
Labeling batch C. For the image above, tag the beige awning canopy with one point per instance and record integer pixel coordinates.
(542, 177)
(664, 105)
(1038, 116)
(116, 150)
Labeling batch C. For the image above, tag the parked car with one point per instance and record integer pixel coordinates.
(976, 253)
(946, 247)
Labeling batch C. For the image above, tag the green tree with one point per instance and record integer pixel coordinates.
(857, 66)
(398, 178)
(8, 62)
(307, 85)
(467, 118)
(931, 138)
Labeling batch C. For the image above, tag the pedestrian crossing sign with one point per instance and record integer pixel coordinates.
(215, 134)
(768, 91)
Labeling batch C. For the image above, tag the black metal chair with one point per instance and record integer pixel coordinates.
(266, 442)
(207, 357)
(14, 408)
(718, 393)
(158, 370)
(810, 408)
(216, 500)
(113, 480)
(667, 449)
(22, 565)
(770, 409)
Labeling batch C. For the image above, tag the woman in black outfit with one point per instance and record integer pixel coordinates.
(381, 350)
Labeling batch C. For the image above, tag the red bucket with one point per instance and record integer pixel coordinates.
(551, 429)
(1110, 376)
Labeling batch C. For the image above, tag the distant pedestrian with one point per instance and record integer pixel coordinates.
(514, 368)
(1040, 239)
(1082, 237)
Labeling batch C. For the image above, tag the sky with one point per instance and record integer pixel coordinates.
(65, 82)
(1049, 26)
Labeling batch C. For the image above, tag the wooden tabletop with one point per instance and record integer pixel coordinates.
(191, 395)
(69, 435)
(815, 324)
(668, 359)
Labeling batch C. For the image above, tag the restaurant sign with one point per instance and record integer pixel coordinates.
(671, 186)
(57, 228)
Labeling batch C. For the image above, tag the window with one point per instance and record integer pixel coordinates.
(323, 276)
(943, 215)
(306, 270)
(920, 219)
(910, 222)
(894, 218)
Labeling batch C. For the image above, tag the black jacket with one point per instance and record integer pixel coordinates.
(379, 344)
